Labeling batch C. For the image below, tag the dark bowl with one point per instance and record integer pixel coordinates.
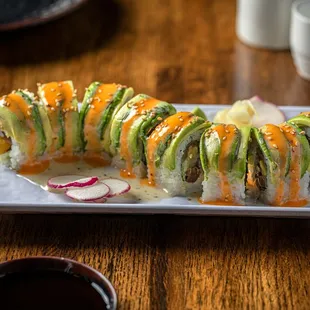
(68, 266)
(16, 14)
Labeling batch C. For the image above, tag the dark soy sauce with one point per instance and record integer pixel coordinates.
(50, 290)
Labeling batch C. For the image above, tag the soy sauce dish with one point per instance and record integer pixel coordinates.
(53, 283)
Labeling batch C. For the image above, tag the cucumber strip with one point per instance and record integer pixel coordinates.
(90, 92)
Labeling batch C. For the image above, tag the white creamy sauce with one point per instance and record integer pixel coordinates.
(138, 193)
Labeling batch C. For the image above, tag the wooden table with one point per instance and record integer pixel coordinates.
(179, 51)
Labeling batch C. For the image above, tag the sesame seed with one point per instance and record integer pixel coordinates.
(292, 132)
(59, 84)
(28, 112)
(181, 119)
(92, 106)
(275, 146)
(281, 129)
(159, 118)
(52, 108)
(59, 94)
(58, 104)
(269, 138)
(53, 89)
(107, 100)
(142, 104)
(302, 133)
(227, 131)
(224, 138)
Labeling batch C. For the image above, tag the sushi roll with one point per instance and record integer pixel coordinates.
(172, 154)
(223, 154)
(24, 133)
(61, 105)
(283, 156)
(130, 130)
(100, 105)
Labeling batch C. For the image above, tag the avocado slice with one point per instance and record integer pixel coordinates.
(271, 156)
(240, 165)
(14, 128)
(199, 112)
(120, 97)
(59, 103)
(305, 149)
(210, 150)
(302, 121)
(170, 155)
(142, 127)
(90, 92)
(118, 120)
(37, 122)
(213, 147)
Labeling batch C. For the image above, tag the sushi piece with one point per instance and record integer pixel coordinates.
(59, 101)
(24, 133)
(130, 130)
(172, 154)
(100, 105)
(282, 165)
(223, 154)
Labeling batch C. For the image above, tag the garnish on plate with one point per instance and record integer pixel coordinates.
(251, 112)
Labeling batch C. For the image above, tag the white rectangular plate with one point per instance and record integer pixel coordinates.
(19, 196)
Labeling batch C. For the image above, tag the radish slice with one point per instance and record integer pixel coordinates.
(71, 181)
(117, 187)
(89, 194)
(266, 113)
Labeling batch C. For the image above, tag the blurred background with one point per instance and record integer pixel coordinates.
(176, 50)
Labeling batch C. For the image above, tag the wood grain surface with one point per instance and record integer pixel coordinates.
(179, 51)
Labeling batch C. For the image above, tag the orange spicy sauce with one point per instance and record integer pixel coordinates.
(219, 202)
(275, 139)
(171, 125)
(138, 110)
(295, 169)
(99, 102)
(59, 97)
(226, 135)
(22, 110)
